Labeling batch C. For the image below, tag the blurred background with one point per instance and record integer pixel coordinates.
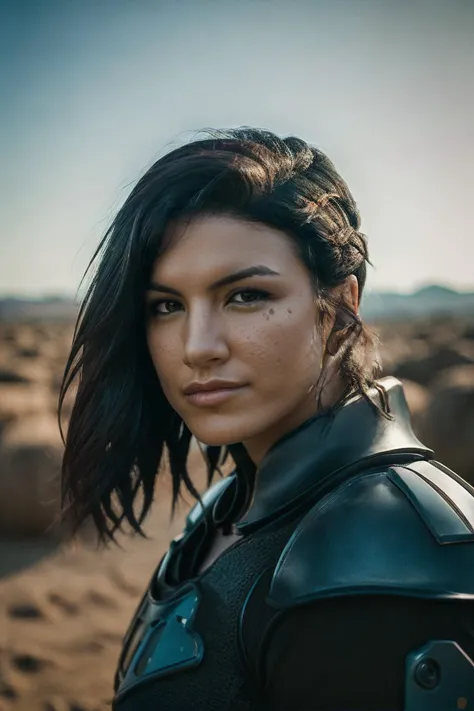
(93, 92)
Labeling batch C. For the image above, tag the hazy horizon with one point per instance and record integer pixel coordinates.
(47, 295)
(95, 91)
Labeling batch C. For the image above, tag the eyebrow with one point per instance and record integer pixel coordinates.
(257, 270)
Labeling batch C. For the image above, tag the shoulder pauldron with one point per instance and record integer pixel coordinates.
(408, 530)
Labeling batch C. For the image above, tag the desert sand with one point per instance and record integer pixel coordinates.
(62, 617)
(65, 607)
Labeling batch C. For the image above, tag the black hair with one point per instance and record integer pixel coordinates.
(122, 429)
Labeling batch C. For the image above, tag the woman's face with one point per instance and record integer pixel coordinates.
(230, 301)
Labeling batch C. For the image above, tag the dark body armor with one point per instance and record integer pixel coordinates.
(351, 587)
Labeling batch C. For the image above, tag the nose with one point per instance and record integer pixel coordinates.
(205, 339)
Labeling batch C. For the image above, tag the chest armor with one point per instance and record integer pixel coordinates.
(375, 516)
(183, 648)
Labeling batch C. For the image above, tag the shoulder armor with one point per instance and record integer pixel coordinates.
(407, 530)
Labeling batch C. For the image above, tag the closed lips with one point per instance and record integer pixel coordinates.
(209, 386)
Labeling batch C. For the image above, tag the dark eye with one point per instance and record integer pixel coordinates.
(163, 307)
(249, 296)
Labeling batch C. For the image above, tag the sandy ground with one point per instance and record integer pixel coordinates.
(63, 613)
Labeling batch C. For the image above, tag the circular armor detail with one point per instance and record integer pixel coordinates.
(427, 674)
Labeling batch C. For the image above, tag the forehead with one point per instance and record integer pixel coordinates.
(212, 245)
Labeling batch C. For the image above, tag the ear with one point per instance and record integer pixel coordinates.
(348, 293)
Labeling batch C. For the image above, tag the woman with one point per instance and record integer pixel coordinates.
(334, 568)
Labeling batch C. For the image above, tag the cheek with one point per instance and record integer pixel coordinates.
(165, 359)
(285, 347)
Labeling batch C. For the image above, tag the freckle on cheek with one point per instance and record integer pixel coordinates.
(289, 311)
(272, 311)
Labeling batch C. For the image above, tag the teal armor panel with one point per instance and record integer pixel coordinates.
(439, 677)
(163, 640)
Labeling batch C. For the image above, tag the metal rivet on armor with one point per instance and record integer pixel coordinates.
(427, 674)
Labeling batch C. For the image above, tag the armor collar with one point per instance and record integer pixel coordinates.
(330, 447)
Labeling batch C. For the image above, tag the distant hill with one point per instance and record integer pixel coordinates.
(55, 308)
(429, 301)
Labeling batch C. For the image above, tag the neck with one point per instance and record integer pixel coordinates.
(258, 446)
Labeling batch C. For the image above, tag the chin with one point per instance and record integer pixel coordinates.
(220, 434)
(217, 439)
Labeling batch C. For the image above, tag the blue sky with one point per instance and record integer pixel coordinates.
(95, 90)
